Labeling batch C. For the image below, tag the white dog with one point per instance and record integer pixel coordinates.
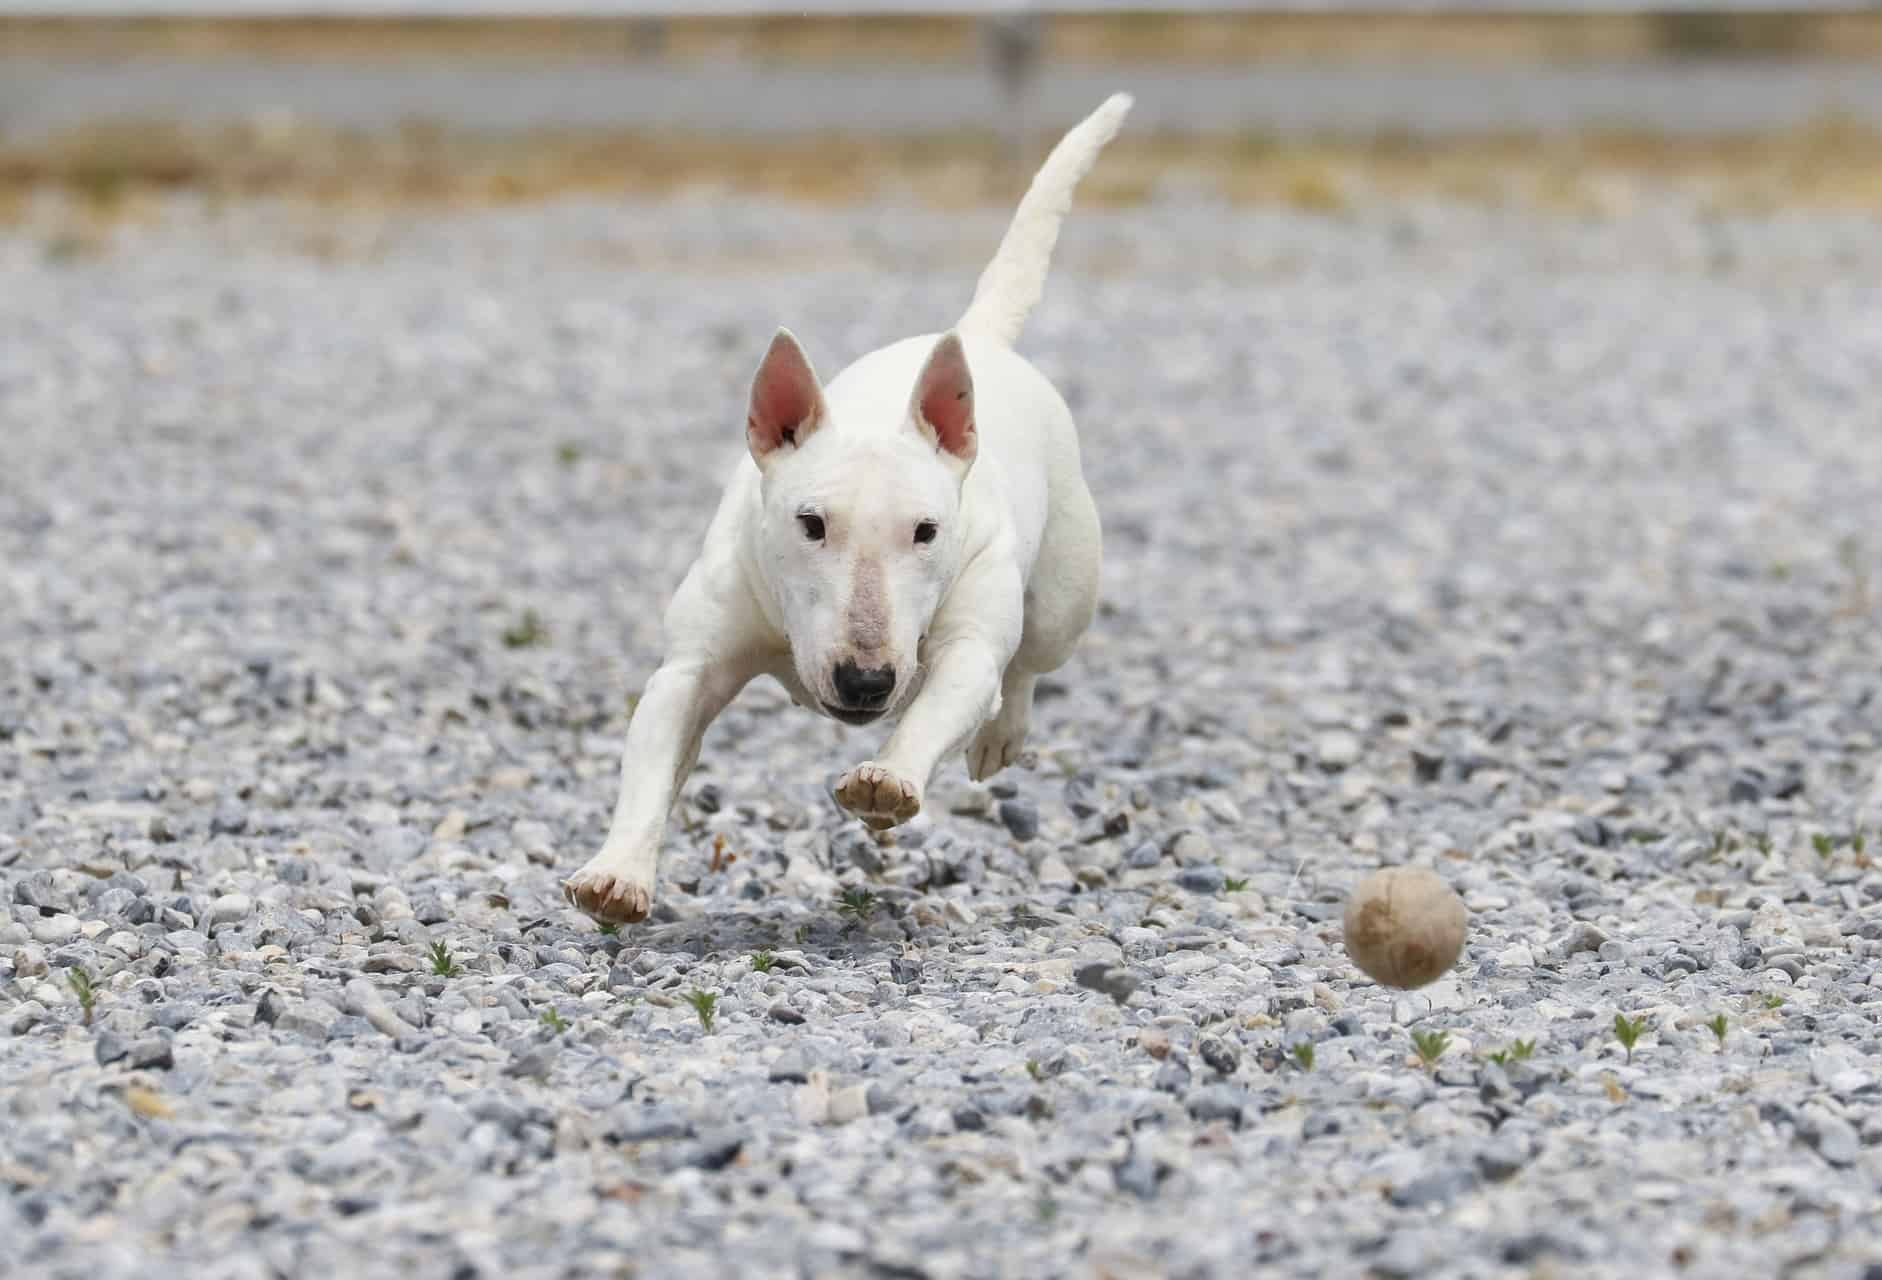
(916, 534)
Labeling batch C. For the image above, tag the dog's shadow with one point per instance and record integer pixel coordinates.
(822, 936)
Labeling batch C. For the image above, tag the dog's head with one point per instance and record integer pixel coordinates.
(859, 535)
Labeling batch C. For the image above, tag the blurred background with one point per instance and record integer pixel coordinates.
(945, 100)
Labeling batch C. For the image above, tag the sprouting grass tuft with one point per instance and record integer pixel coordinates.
(1233, 884)
(858, 904)
(1717, 1026)
(568, 453)
(82, 988)
(762, 961)
(526, 632)
(1764, 843)
(704, 1003)
(1034, 1070)
(442, 962)
(1825, 847)
(554, 1021)
(1514, 1051)
(1627, 1031)
(1303, 1054)
(1774, 1000)
(1430, 1045)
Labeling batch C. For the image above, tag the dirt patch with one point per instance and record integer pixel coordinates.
(1830, 164)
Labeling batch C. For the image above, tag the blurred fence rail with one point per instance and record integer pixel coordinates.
(885, 68)
(659, 9)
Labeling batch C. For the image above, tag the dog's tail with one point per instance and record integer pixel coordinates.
(1010, 286)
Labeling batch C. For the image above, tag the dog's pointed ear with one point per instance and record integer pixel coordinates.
(786, 401)
(943, 404)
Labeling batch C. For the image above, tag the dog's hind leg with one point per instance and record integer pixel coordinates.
(1059, 606)
(999, 741)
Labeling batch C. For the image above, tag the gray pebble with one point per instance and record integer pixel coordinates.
(1201, 879)
(109, 1047)
(1217, 1102)
(1021, 818)
(1222, 1055)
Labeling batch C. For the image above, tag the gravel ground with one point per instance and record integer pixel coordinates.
(1538, 552)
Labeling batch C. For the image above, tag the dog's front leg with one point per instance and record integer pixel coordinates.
(961, 693)
(616, 886)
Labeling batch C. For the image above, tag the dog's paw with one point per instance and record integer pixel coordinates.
(996, 746)
(608, 897)
(878, 795)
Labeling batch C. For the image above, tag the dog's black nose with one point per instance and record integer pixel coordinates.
(863, 689)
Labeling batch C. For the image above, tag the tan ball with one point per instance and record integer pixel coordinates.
(1404, 926)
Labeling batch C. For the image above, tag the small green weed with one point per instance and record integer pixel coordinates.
(1825, 847)
(526, 632)
(554, 1021)
(1627, 1031)
(1717, 1026)
(858, 904)
(442, 962)
(1034, 1070)
(1430, 1045)
(704, 1003)
(1514, 1051)
(1233, 884)
(1774, 1001)
(762, 961)
(568, 453)
(1303, 1054)
(82, 988)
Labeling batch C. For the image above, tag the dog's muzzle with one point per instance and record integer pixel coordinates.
(854, 715)
(865, 693)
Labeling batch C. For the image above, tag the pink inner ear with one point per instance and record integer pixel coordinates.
(784, 397)
(944, 397)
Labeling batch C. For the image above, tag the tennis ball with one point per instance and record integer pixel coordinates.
(1404, 926)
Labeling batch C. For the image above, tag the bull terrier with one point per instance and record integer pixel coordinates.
(914, 537)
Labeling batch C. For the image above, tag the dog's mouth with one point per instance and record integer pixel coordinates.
(854, 715)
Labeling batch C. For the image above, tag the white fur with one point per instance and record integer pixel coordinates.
(816, 558)
(1011, 285)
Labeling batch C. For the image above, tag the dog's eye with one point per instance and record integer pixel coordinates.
(925, 532)
(813, 526)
